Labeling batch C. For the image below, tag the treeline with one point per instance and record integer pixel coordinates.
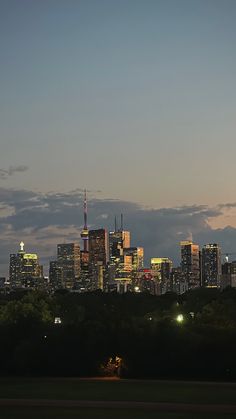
(145, 331)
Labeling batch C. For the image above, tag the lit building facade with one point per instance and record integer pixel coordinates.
(147, 282)
(55, 275)
(190, 263)
(98, 246)
(179, 283)
(134, 256)
(68, 263)
(211, 265)
(228, 275)
(25, 270)
(98, 257)
(118, 241)
(162, 268)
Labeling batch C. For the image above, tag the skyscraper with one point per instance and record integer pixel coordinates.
(190, 263)
(136, 255)
(211, 265)
(98, 257)
(163, 267)
(68, 262)
(55, 275)
(15, 268)
(98, 246)
(118, 241)
(25, 270)
(228, 277)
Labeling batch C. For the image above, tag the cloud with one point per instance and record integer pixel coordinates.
(44, 220)
(5, 173)
(228, 205)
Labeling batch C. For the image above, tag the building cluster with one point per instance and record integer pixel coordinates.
(108, 262)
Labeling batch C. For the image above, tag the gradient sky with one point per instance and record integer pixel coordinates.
(134, 98)
(141, 90)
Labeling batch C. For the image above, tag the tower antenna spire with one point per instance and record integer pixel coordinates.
(84, 232)
(85, 210)
(115, 224)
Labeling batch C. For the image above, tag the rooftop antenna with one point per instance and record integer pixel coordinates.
(115, 224)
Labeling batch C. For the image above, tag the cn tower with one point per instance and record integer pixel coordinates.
(84, 232)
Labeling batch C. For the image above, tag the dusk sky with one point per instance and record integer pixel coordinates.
(134, 100)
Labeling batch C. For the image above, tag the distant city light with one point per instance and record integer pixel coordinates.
(57, 320)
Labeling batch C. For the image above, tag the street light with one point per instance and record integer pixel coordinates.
(180, 318)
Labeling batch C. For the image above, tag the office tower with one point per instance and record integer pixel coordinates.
(25, 270)
(68, 261)
(162, 268)
(118, 241)
(98, 246)
(147, 282)
(98, 255)
(55, 275)
(190, 263)
(211, 265)
(179, 283)
(15, 270)
(134, 257)
(228, 276)
(126, 275)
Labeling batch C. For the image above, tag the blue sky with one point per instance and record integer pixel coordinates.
(133, 98)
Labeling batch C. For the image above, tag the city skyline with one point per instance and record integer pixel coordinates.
(133, 99)
(120, 236)
(44, 220)
(111, 263)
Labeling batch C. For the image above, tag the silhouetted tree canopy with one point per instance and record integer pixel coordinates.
(141, 329)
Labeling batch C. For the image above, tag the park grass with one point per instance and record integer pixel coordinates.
(118, 390)
(112, 390)
(91, 413)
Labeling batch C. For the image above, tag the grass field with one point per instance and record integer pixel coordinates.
(132, 390)
(28, 413)
(109, 390)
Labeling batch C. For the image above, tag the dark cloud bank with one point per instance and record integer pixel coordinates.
(43, 220)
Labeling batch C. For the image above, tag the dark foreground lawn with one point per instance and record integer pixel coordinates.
(113, 390)
(51, 413)
(125, 390)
